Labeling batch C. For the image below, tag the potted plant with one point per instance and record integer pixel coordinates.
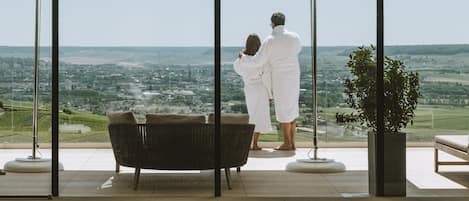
(401, 92)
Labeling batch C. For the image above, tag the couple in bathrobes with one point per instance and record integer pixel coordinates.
(271, 70)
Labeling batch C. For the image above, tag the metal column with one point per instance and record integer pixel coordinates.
(55, 98)
(217, 66)
(379, 157)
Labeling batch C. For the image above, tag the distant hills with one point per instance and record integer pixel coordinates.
(203, 55)
(420, 50)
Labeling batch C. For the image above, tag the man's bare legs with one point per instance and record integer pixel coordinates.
(289, 133)
(255, 139)
(287, 143)
(293, 133)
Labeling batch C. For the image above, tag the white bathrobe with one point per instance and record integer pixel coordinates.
(257, 92)
(280, 51)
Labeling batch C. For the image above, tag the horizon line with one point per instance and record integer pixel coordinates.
(82, 46)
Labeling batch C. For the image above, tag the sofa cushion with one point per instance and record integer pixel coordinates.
(460, 142)
(174, 119)
(121, 118)
(230, 118)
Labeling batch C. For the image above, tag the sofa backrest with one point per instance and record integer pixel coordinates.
(190, 146)
(230, 118)
(174, 119)
(126, 141)
(121, 118)
(235, 144)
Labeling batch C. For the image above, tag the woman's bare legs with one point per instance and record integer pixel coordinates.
(255, 139)
(287, 143)
(293, 133)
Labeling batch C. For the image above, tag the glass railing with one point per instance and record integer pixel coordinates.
(122, 75)
(17, 77)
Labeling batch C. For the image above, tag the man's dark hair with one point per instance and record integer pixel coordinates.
(278, 18)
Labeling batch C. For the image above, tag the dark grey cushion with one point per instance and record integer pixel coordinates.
(174, 119)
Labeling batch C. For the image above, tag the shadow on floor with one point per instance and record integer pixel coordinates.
(462, 178)
(247, 183)
(271, 154)
(443, 184)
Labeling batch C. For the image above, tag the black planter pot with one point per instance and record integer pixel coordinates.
(394, 164)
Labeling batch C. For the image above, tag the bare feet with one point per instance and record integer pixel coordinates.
(255, 148)
(284, 147)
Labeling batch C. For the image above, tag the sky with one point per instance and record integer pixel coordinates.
(190, 22)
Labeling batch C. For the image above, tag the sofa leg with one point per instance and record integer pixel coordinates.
(238, 169)
(118, 167)
(136, 178)
(436, 160)
(228, 177)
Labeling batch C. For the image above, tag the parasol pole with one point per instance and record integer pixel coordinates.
(36, 79)
(314, 164)
(33, 163)
(314, 76)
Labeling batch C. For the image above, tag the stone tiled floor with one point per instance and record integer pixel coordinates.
(89, 172)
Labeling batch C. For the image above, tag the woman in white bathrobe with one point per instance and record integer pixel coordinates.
(257, 90)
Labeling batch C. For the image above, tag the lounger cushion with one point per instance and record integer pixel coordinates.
(174, 119)
(121, 118)
(230, 118)
(460, 142)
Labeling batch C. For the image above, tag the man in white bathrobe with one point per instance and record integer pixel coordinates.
(280, 51)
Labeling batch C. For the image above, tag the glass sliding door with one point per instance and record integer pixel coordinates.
(427, 37)
(265, 173)
(342, 28)
(436, 50)
(20, 20)
(346, 39)
(153, 59)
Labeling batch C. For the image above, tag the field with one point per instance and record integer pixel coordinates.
(96, 80)
(16, 120)
(16, 126)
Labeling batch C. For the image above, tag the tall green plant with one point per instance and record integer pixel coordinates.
(401, 90)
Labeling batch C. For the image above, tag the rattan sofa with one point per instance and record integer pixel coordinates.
(182, 144)
(456, 145)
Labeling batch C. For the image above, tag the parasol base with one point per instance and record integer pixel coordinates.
(318, 165)
(30, 165)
